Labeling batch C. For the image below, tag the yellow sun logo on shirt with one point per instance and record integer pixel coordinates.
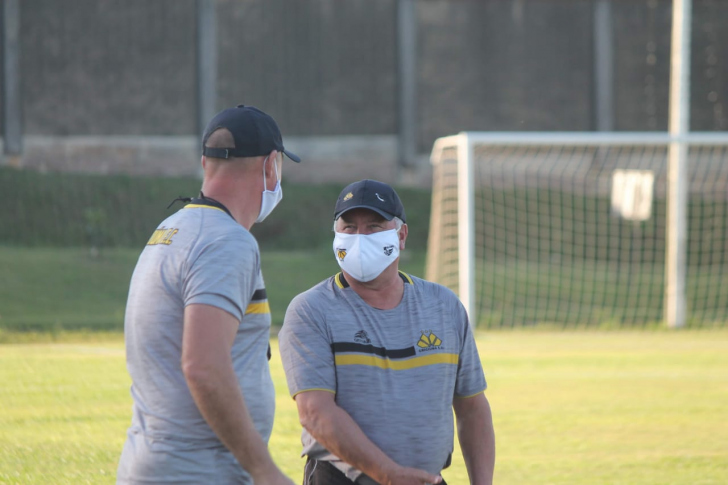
(428, 339)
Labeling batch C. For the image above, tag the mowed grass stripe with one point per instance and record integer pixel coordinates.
(580, 407)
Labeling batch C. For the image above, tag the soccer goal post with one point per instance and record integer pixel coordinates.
(570, 228)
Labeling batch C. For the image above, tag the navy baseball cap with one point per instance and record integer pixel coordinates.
(255, 134)
(372, 195)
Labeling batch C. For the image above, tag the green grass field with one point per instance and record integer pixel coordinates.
(52, 290)
(595, 293)
(577, 406)
(570, 407)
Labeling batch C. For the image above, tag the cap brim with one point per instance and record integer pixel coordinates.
(386, 215)
(292, 156)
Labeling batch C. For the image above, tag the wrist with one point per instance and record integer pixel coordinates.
(262, 468)
(387, 474)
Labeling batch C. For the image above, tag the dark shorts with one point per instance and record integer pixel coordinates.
(324, 473)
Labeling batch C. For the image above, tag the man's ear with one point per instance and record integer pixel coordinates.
(203, 161)
(270, 166)
(402, 236)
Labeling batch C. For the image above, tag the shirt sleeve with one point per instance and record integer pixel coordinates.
(305, 348)
(470, 378)
(223, 274)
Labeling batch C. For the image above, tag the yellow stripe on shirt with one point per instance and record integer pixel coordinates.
(201, 206)
(262, 307)
(376, 361)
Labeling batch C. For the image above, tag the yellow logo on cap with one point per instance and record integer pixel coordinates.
(348, 196)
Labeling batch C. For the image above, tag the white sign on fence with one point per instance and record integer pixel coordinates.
(632, 194)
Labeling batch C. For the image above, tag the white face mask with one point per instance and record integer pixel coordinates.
(365, 256)
(271, 198)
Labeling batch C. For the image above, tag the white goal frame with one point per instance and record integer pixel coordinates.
(465, 142)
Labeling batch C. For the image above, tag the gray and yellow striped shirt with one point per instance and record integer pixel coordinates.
(199, 255)
(396, 372)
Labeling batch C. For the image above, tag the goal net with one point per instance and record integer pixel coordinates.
(569, 228)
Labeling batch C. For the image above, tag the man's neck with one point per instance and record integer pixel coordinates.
(236, 206)
(384, 292)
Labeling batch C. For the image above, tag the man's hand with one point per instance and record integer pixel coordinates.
(339, 433)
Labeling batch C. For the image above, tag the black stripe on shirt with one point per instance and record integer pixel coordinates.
(259, 295)
(370, 349)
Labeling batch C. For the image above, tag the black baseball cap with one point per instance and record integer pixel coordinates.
(372, 195)
(255, 134)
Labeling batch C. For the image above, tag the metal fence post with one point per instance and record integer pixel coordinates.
(407, 77)
(206, 63)
(12, 101)
(677, 191)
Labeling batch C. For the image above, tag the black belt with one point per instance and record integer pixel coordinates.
(320, 472)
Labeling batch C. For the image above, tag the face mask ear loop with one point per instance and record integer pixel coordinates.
(265, 183)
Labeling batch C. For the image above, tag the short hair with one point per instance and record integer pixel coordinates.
(220, 138)
(398, 223)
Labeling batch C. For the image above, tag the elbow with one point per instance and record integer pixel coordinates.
(195, 373)
(311, 418)
(317, 410)
(308, 419)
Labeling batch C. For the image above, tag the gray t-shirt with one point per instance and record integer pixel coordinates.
(199, 255)
(396, 372)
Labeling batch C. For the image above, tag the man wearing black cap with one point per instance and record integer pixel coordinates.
(377, 359)
(197, 321)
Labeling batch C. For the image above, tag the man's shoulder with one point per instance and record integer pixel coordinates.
(309, 309)
(320, 292)
(216, 227)
(213, 237)
(320, 299)
(431, 289)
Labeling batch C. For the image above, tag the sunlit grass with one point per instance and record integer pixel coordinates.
(579, 407)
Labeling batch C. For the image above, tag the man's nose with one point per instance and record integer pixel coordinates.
(363, 231)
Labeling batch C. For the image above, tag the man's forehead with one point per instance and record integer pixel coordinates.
(362, 214)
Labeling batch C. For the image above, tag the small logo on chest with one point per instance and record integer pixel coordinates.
(429, 341)
(361, 337)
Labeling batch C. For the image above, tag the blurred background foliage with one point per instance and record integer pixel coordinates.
(72, 210)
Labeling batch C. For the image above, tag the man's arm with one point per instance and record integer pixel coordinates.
(209, 333)
(339, 434)
(477, 438)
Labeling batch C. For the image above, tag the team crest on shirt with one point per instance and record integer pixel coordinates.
(361, 337)
(429, 341)
(162, 236)
(341, 253)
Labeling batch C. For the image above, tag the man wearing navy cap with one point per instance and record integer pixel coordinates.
(377, 360)
(197, 321)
